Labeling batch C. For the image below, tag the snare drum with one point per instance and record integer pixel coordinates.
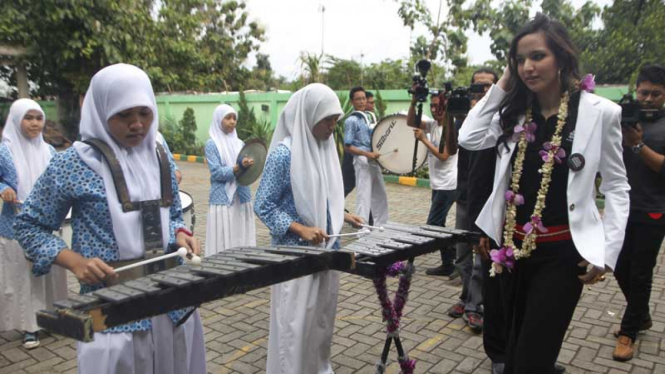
(394, 140)
(188, 216)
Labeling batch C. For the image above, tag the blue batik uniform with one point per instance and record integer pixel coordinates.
(220, 174)
(9, 179)
(275, 205)
(68, 182)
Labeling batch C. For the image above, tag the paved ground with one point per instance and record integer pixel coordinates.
(237, 328)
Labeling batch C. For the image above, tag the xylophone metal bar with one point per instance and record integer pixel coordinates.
(225, 274)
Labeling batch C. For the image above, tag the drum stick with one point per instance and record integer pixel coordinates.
(357, 233)
(182, 252)
(380, 228)
(385, 153)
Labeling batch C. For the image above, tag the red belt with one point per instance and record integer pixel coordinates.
(553, 234)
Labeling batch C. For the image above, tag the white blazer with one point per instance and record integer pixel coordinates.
(598, 138)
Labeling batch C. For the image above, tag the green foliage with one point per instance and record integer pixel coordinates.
(446, 40)
(380, 105)
(343, 74)
(182, 44)
(262, 76)
(181, 136)
(347, 107)
(633, 35)
(249, 127)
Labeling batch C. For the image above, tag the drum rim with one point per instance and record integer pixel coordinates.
(187, 209)
(68, 221)
(418, 167)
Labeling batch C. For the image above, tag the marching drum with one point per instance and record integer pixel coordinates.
(188, 216)
(394, 140)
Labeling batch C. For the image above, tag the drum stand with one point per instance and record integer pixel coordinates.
(392, 313)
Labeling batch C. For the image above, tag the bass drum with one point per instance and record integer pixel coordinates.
(188, 215)
(394, 140)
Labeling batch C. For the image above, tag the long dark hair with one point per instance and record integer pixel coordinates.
(519, 97)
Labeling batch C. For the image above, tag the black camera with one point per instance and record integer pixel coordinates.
(632, 112)
(420, 81)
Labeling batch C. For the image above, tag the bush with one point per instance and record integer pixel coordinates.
(249, 127)
(181, 136)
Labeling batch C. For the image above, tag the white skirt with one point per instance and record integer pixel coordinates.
(23, 294)
(302, 320)
(230, 226)
(163, 350)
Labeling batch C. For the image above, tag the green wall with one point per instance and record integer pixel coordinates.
(269, 105)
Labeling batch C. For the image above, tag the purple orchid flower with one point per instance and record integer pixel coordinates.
(528, 130)
(535, 223)
(558, 153)
(503, 256)
(514, 198)
(588, 83)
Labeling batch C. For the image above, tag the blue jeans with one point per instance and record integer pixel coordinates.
(442, 200)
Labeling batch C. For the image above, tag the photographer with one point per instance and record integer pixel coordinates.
(643, 154)
(442, 171)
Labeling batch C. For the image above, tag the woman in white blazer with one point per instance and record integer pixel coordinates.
(542, 210)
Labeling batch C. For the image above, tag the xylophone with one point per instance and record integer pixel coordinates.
(236, 271)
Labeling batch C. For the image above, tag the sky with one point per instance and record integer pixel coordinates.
(366, 31)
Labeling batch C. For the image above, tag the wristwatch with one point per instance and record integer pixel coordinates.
(637, 148)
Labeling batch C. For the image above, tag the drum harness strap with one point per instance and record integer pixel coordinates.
(150, 215)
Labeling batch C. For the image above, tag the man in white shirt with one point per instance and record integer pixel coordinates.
(442, 174)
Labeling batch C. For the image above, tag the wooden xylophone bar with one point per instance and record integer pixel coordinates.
(236, 271)
(228, 273)
(401, 242)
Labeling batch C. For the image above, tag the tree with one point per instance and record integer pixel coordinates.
(262, 76)
(632, 36)
(187, 44)
(343, 74)
(447, 41)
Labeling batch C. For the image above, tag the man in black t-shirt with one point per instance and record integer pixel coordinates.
(644, 156)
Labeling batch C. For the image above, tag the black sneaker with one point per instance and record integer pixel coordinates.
(31, 340)
(440, 270)
(559, 369)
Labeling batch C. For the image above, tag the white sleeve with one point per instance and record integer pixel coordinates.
(614, 185)
(482, 128)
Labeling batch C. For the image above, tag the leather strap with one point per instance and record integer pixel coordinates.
(119, 177)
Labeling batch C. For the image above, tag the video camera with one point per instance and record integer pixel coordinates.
(420, 81)
(458, 100)
(632, 112)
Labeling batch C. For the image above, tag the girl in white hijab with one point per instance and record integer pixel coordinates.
(230, 216)
(301, 200)
(23, 158)
(119, 109)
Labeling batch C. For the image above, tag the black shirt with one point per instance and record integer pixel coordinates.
(555, 212)
(647, 187)
(481, 180)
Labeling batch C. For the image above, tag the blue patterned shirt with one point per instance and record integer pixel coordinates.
(9, 179)
(220, 173)
(357, 133)
(274, 203)
(68, 182)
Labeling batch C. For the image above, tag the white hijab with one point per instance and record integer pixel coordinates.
(228, 145)
(112, 90)
(316, 175)
(30, 156)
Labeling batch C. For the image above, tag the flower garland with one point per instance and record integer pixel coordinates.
(392, 311)
(551, 153)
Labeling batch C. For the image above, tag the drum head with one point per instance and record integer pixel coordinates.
(186, 201)
(256, 150)
(394, 140)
